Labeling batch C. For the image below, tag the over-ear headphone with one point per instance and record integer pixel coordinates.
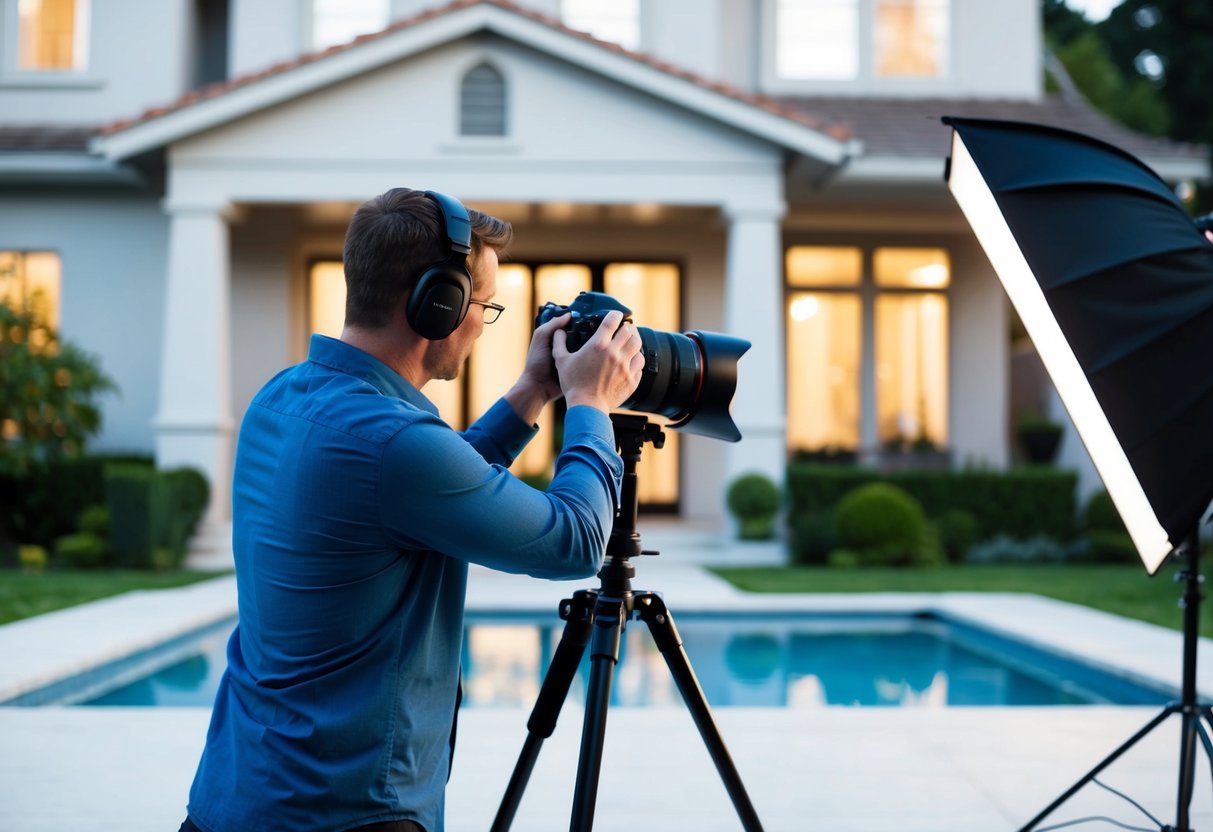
(439, 301)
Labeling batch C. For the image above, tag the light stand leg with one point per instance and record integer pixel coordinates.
(1188, 707)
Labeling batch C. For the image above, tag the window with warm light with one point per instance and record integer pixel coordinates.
(615, 21)
(850, 40)
(832, 296)
(52, 35)
(336, 22)
(32, 281)
(910, 38)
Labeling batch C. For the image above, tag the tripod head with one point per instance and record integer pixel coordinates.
(632, 432)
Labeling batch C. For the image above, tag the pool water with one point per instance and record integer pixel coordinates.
(802, 661)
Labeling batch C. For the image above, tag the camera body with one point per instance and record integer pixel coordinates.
(587, 310)
(687, 378)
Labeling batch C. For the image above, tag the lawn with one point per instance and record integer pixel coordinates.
(23, 594)
(1124, 590)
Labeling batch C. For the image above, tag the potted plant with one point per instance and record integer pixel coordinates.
(1039, 438)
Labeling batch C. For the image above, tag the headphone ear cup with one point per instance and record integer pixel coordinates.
(439, 302)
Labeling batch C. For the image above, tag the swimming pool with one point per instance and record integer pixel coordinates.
(745, 659)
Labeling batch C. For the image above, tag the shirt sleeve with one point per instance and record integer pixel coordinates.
(440, 492)
(500, 434)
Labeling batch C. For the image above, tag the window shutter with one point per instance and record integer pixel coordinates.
(482, 104)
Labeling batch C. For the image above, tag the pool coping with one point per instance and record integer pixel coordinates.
(46, 649)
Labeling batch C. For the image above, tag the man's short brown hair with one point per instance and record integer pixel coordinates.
(391, 240)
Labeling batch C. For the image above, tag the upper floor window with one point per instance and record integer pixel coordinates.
(482, 102)
(616, 21)
(340, 21)
(843, 40)
(52, 35)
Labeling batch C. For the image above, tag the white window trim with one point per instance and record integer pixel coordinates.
(866, 82)
(13, 77)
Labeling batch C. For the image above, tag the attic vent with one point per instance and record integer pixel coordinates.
(482, 104)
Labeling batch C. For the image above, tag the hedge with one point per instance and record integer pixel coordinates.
(1020, 502)
(152, 514)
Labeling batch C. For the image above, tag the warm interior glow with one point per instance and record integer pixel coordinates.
(32, 280)
(823, 371)
(652, 292)
(52, 35)
(981, 210)
(912, 368)
(326, 298)
(810, 267)
(911, 38)
(911, 268)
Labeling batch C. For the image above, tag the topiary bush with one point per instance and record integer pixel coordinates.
(83, 550)
(754, 500)
(958, 531)
(1104, 533)
(883, 524)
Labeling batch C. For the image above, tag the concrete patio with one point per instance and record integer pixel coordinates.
(838, 769)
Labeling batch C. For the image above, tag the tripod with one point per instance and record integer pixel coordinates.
(1191, 711)
(597, 618)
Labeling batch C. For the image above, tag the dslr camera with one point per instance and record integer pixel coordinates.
(689, 378)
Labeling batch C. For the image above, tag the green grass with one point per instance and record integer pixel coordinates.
(1123, 590)
(24, 594)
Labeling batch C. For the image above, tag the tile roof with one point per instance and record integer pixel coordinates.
(910, 127)
(761, 102)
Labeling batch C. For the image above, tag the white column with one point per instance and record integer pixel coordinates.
(194, 423)
(754, 310)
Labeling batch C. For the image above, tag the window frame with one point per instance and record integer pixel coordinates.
(12, 76)
(870, 444)
(866, 80)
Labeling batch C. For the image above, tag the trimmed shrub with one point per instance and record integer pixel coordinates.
(32, 558)
(82, 550)
(1004, 549)
(883, 524)
(1100, 513)
(754, 500)
(152, 514)
(95, 520)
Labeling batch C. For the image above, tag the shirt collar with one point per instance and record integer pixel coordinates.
(346, 358)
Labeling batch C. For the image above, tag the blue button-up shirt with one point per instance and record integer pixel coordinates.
(356, 511)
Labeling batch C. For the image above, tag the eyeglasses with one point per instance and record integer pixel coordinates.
(492, 311)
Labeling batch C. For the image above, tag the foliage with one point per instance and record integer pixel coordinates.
(754, 500)
(1100, 513)
(882, 524)
(32, 558)
(152, 515)
(958, 532)
(83, 550)
(1020, 502)
(1004, 549)
(813, 537)
(1104, 535)
(1131, 100)
(48, 392)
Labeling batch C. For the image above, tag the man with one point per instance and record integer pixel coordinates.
(356, 511)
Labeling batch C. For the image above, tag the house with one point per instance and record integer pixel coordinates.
(176, 177)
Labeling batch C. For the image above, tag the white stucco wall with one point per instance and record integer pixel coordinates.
(136, 59)
(112, 251)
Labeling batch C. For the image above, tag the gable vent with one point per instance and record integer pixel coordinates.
(482, 102)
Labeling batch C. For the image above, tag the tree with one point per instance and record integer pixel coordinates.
(47, 393)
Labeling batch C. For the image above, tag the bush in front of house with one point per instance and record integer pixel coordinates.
(1020, 503)
(1104, 537)
(958, 532)
(152, 514)
(813, 537)
(883, 525)
(1005, 549)
(754, 500)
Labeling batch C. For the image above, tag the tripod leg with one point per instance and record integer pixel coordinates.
(1187, 768)
(653, 612)
(1093, 773)
(610, 618)
(552, 693)
(1204, 737)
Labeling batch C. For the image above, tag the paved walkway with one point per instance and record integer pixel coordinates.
(838, 769)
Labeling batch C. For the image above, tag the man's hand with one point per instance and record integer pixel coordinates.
(607, 368)
(538, 383)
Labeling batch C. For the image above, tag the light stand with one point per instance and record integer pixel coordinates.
(597, 618)
(1188, 706)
